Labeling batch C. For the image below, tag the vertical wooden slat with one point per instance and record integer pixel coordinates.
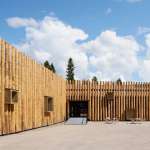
(19, 72)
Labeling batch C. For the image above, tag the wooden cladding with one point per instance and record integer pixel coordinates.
(124, 100)
(23, 86)
(31, 96)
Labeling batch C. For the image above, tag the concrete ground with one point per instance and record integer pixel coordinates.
(93, 136)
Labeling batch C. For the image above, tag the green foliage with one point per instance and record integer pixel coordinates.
(49, 66)
(119, 81)
(46, 64)
(53, 68)
(70, 70)
(95, 79)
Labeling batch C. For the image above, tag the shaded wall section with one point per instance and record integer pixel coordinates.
(124, 101)
(25, 84)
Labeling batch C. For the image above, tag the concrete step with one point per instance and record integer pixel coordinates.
(76, 121)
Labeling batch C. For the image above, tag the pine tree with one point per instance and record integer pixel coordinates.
(119, 81)
(70, 70)
(53, 68)
(95, 79)
(47, 65)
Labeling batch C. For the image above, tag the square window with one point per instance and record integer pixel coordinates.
(48, 104)
(11, 96)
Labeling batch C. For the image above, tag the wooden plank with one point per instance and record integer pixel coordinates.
(21, 73)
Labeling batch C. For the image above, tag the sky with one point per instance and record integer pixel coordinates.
(109, 39)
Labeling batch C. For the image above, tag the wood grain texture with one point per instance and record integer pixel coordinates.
(32, 81)
(128, 100)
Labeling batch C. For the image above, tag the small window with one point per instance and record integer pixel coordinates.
(15, 96)
(48, 104)
(11, 96)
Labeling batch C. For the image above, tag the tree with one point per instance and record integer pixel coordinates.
(95, 79)
(52, 68)
(70, 70)
(119, 81)
(49, 66)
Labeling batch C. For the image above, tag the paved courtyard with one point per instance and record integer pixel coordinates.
(93, 136)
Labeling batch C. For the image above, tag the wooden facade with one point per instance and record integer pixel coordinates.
(31, 96)
(123, 101)
(23, 86)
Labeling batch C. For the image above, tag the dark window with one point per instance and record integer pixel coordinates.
(11, 96)
(48, 104)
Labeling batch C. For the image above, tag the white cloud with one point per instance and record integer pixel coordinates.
(108, 11)
(53, 40)
(109, 56)
(147, 40)
(16, 22)
(144, 71)
(113, 55)
(143, 30)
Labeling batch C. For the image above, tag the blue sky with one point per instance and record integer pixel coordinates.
(97, 19)
(86, 14)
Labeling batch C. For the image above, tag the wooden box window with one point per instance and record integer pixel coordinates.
(48, 104)
(11, 96)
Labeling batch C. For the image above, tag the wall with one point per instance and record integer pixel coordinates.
(33, 81)
(109, 99)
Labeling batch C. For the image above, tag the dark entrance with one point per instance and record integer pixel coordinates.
(78, 109)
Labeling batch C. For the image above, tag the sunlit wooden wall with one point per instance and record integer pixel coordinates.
(33, 81)
(123, 101)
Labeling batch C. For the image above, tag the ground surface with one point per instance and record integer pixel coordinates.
(94, 136)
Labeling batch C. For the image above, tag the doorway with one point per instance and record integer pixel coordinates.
(78, 109)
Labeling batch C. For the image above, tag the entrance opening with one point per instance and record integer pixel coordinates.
(78, 109)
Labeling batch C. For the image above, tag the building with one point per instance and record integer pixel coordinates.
(31, 96)
(99, 101)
